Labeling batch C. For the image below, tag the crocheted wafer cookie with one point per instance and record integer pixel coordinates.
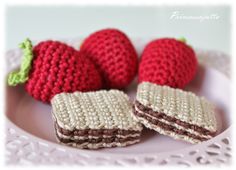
(174, 112)
(95, 119)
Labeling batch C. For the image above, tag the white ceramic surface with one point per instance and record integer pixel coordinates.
(30, 126)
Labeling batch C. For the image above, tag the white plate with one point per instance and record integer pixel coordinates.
(34, 118)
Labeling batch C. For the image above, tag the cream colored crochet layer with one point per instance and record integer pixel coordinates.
(94, 110)
(100, 145)
(177, 103)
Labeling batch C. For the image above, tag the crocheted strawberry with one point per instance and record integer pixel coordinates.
(168, 61)
(52, 67)
(114, 55)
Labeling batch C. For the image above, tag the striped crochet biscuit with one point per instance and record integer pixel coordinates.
(174, 112)
(95, 120)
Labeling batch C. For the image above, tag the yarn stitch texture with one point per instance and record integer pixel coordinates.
(182, 105)
(21, 76)
(58, 68)
(114, 55)
(168, 62)
(94, 110)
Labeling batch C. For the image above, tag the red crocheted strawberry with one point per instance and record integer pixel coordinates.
(52, 67)
(168, 61)
(114, 55)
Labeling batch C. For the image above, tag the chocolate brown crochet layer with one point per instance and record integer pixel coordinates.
(170, 119)
(95, 132)
(98, 140)
(167, 127)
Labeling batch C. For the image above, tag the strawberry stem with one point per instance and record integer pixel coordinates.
(182, 39)
(21, 76)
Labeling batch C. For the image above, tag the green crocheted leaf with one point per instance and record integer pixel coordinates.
(182, 39)
(21, 76)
